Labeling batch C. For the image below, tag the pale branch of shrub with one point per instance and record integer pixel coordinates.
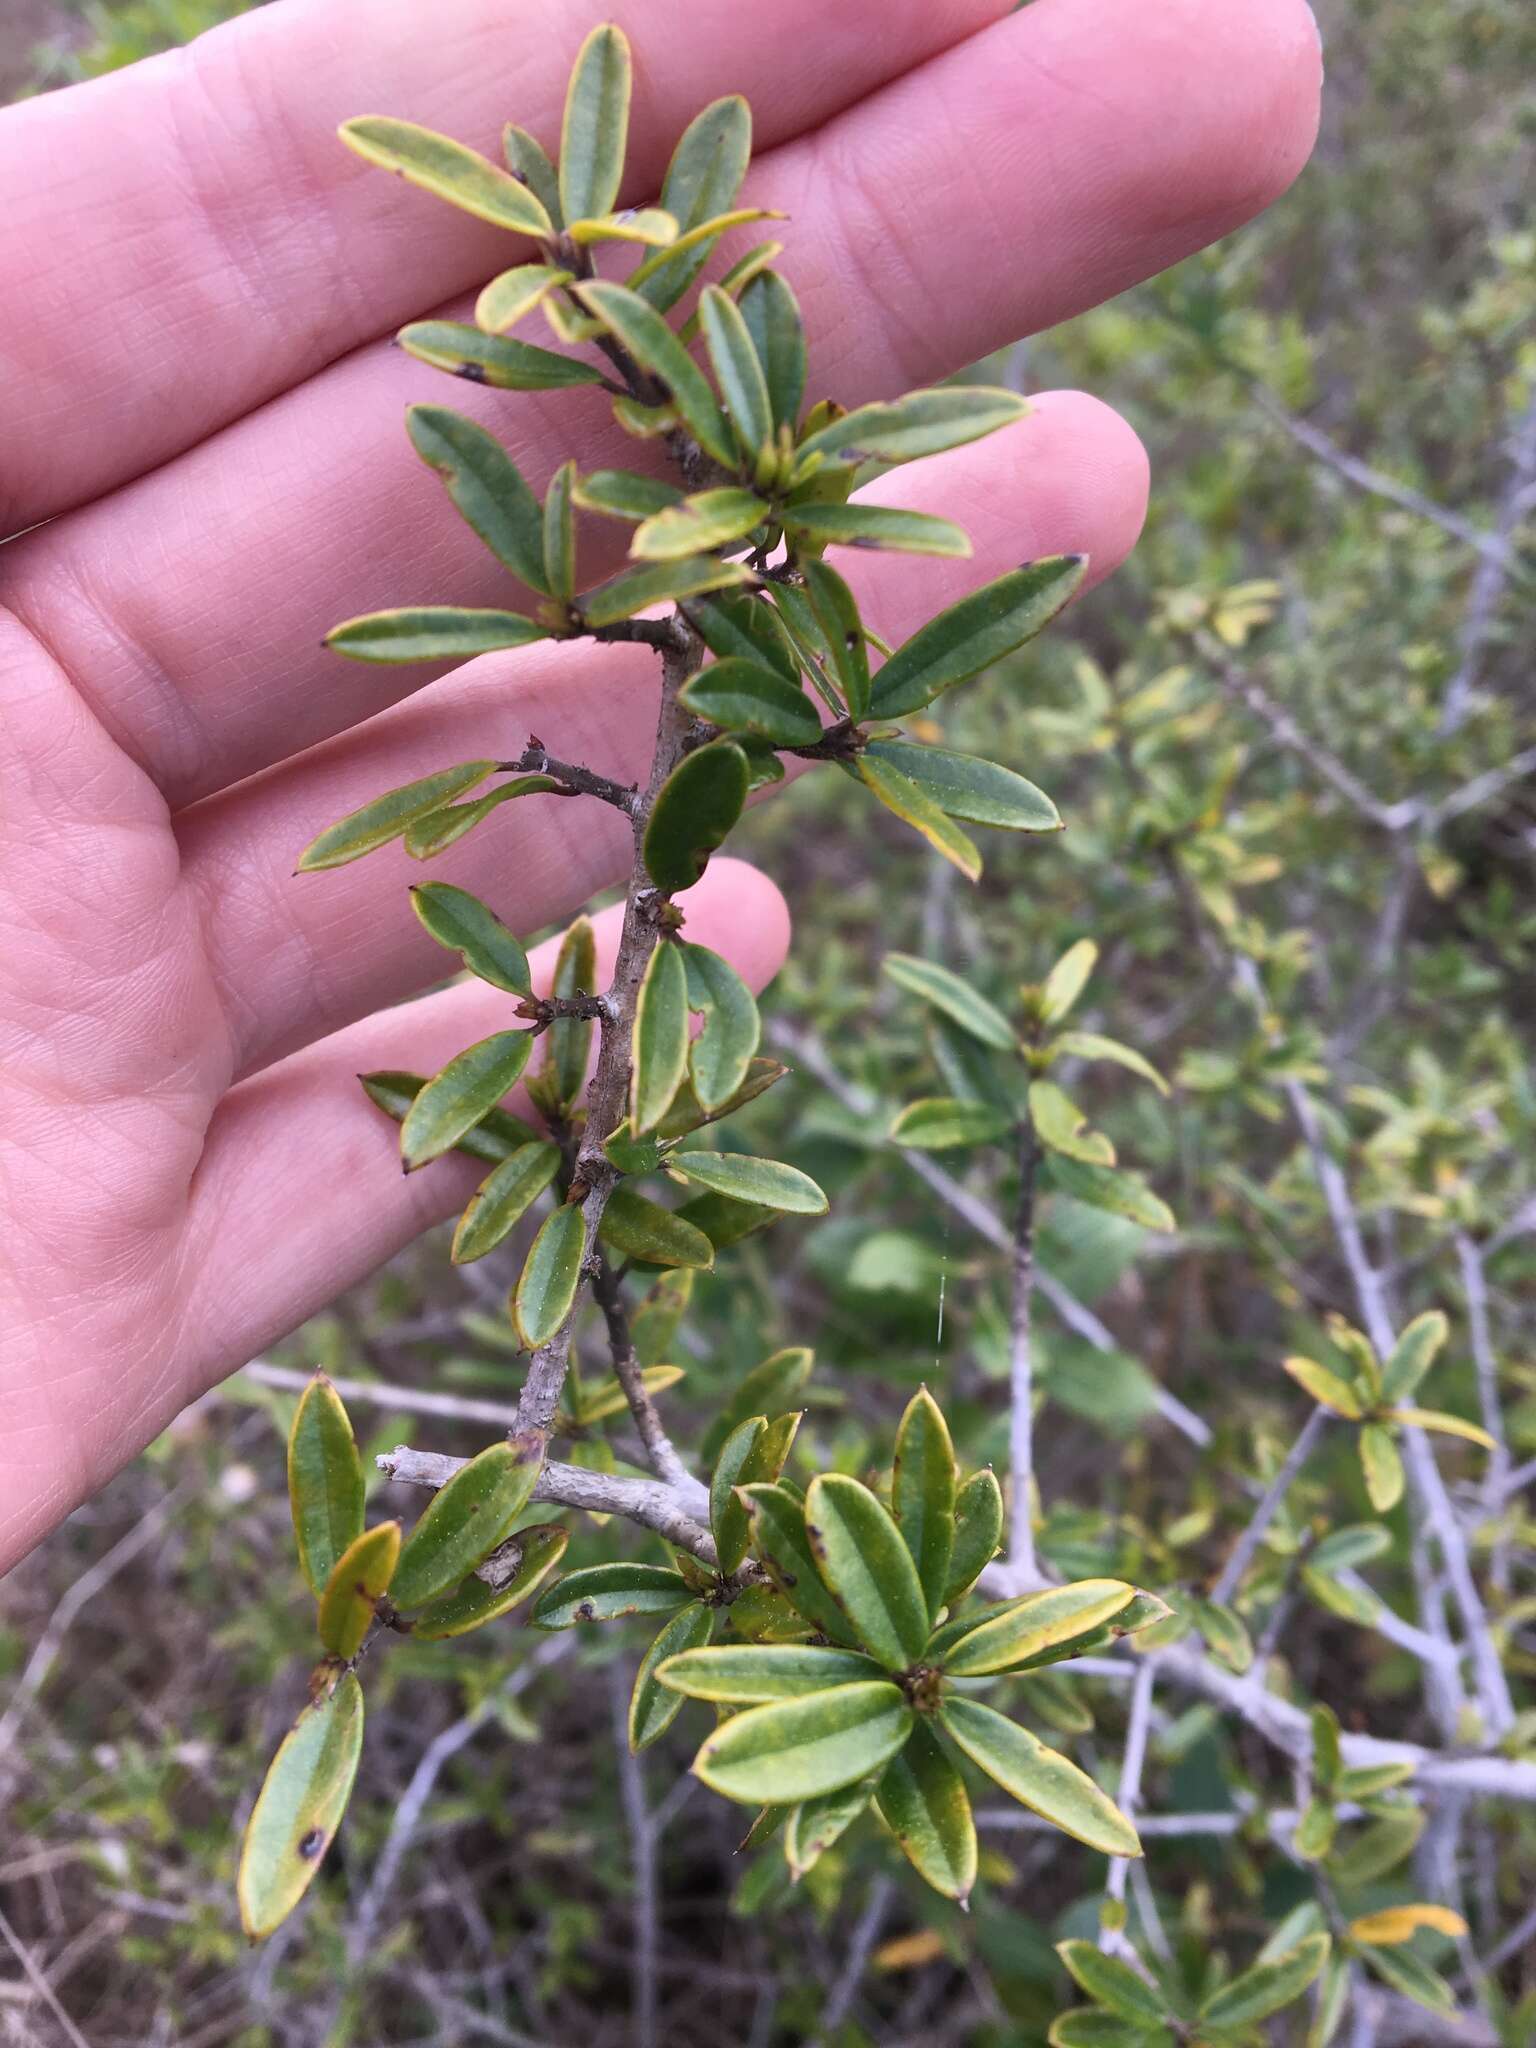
(1242, 1553)
(388, 1394)
(1493, 570)
(1022, 1563)
(661, 1453)
(645, 1911)
(1138, 1727)
(1474, 1284)
(536, 759)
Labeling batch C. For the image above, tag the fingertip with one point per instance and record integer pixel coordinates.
(1094, 476)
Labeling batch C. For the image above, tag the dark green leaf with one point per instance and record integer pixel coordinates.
(442, 828)
(436, 632)
(387, 816)
(455, 1100)
(1267, 1987)
(771, 313)
(779, 1538)
(767, 1182)
(359, 1578)
(641, 1229)
(971, 635)
(641, 331)
(1041, 1779)
(595, 130)
(753, 1454)
(465, 1520)
(721, 1055)
(961, 1003)
(529, 163)
(725, 1222)
(978, 1532)
(942, 1122)
(694, 810)
(968, 787)
(546, 1288)
(485, 484)
(707, 519)
(325, 1482)
(798, 1749)
(815, 1824)
(1122, 1194)
(652, 1706)
(732, 625)
(737, 1676)
(624, 495)
(1038, 1622)
(503, 1198)
(447, 169)
(704, 176)
(923, 1801)
(1088, 2027)
(842, 633)
(1112, 1983)
(661, 1031)
(857, 525)
(560, 535)
(634, 590)
(570, 1038)
(496, 1137)
(867, 1568)
(607, 1592)
(1346, 1548)
(739, 374)
(1407, 1973)
(923, 1489)
(299, 1808)
(540, 1549)
(470, 928)
(494, 359)
(1412, 1355)
(742, 696)
(922, 423)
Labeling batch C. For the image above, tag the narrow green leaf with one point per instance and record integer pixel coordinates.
(922, 423)
(695, 238)
(725, 1222)
(299, 1808)
(652, 1706)
(455, 1100)
(707, 519)
(957, 1000)
(1367, 1781)
(768, 1389)
(867, 1568)
(624, 495)
(798, 1749)
(529, 163)
(611, 1400)
(493, 359)
(753, 1454)
(893, 789)
(739, 374)
(325, 1482)
(773, 321)
(815, 1824)
(438, 830)
(640, 329)
(1412, 1355)
(971, 635)
(465, 1520)
(1041, 1779)
(703, 178)
(841, 631)
(740, 695)
(1446, 1425)
(475, 1603)
(570, 1038)
(694, 810)
(767, 1182)
(1224, 1633)
(1267, 1987)
(651, 225)
(1038, 1622)
(924, 1484)
(942, 1121)
(560, 535)
(1372, 1851)
(1412, 1976)
(484, 483)
(634, 590)
(1067, 980)
(737, 1676)
(779, 1538)
(595, 130)
(1088, 1045)
(1382, 1466)
(857, 525)
(1315, 1831)
(1122, 1194)
(1062, 1127)
(358, 1580)
(636, 1228)
(546, 1287)
(607, 1592)
(431, 632)
(1344, 1549)
(978, 1532)
(661, 1030)
(496, 1137)
(502, 1199)
(470, 928)
(720, 1058)
(1112, 1983)
(1088, 2027)
(923, 1801)
(448, 170)
(741, 625)
(387, 816)
(514, 294)
(1324, 1386)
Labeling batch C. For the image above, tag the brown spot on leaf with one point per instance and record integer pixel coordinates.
(312, 1844)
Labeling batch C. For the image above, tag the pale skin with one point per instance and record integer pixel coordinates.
(204, 437)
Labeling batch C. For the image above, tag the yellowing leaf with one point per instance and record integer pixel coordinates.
(1396, 1924)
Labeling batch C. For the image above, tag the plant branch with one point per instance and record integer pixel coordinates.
(1242, 1552)
(1128, 1793)
(661, 1454)
(1022, 1562)
(536, 759)
(1493, 571)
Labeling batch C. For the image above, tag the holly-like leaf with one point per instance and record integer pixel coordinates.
(387, 816)
(971, 635)
(636, 1228)
(455, 1100)
(359, 1579)
(923, 1489)
(707, 519)
(608, 1592)
(468, 927)
(921, 423)
(943, 1122)
(744, 1178)
(503, 1198)
(660, 1037)
(465, 1520)
(494, 359)
(299, 1808)
(741, 695)
(1267, 1986)
(546, 1287)
(867, 1568)
(1382, 1466)
(641, 331)
(1040, 1778)
(475, 1602)
(922, 1800)
(955, 998)
(799, 1749)
(325, 1482)
(978, 1532)
(653, 1707)
(483, 481)
(967, 787)
(1038, 1622)
(694, 810)
(448, 170)
(431, 632)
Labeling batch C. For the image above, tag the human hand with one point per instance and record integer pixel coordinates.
(198, 284)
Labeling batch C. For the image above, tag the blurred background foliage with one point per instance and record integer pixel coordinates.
(1335, 403)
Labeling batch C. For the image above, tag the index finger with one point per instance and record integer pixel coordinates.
(187, 238)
